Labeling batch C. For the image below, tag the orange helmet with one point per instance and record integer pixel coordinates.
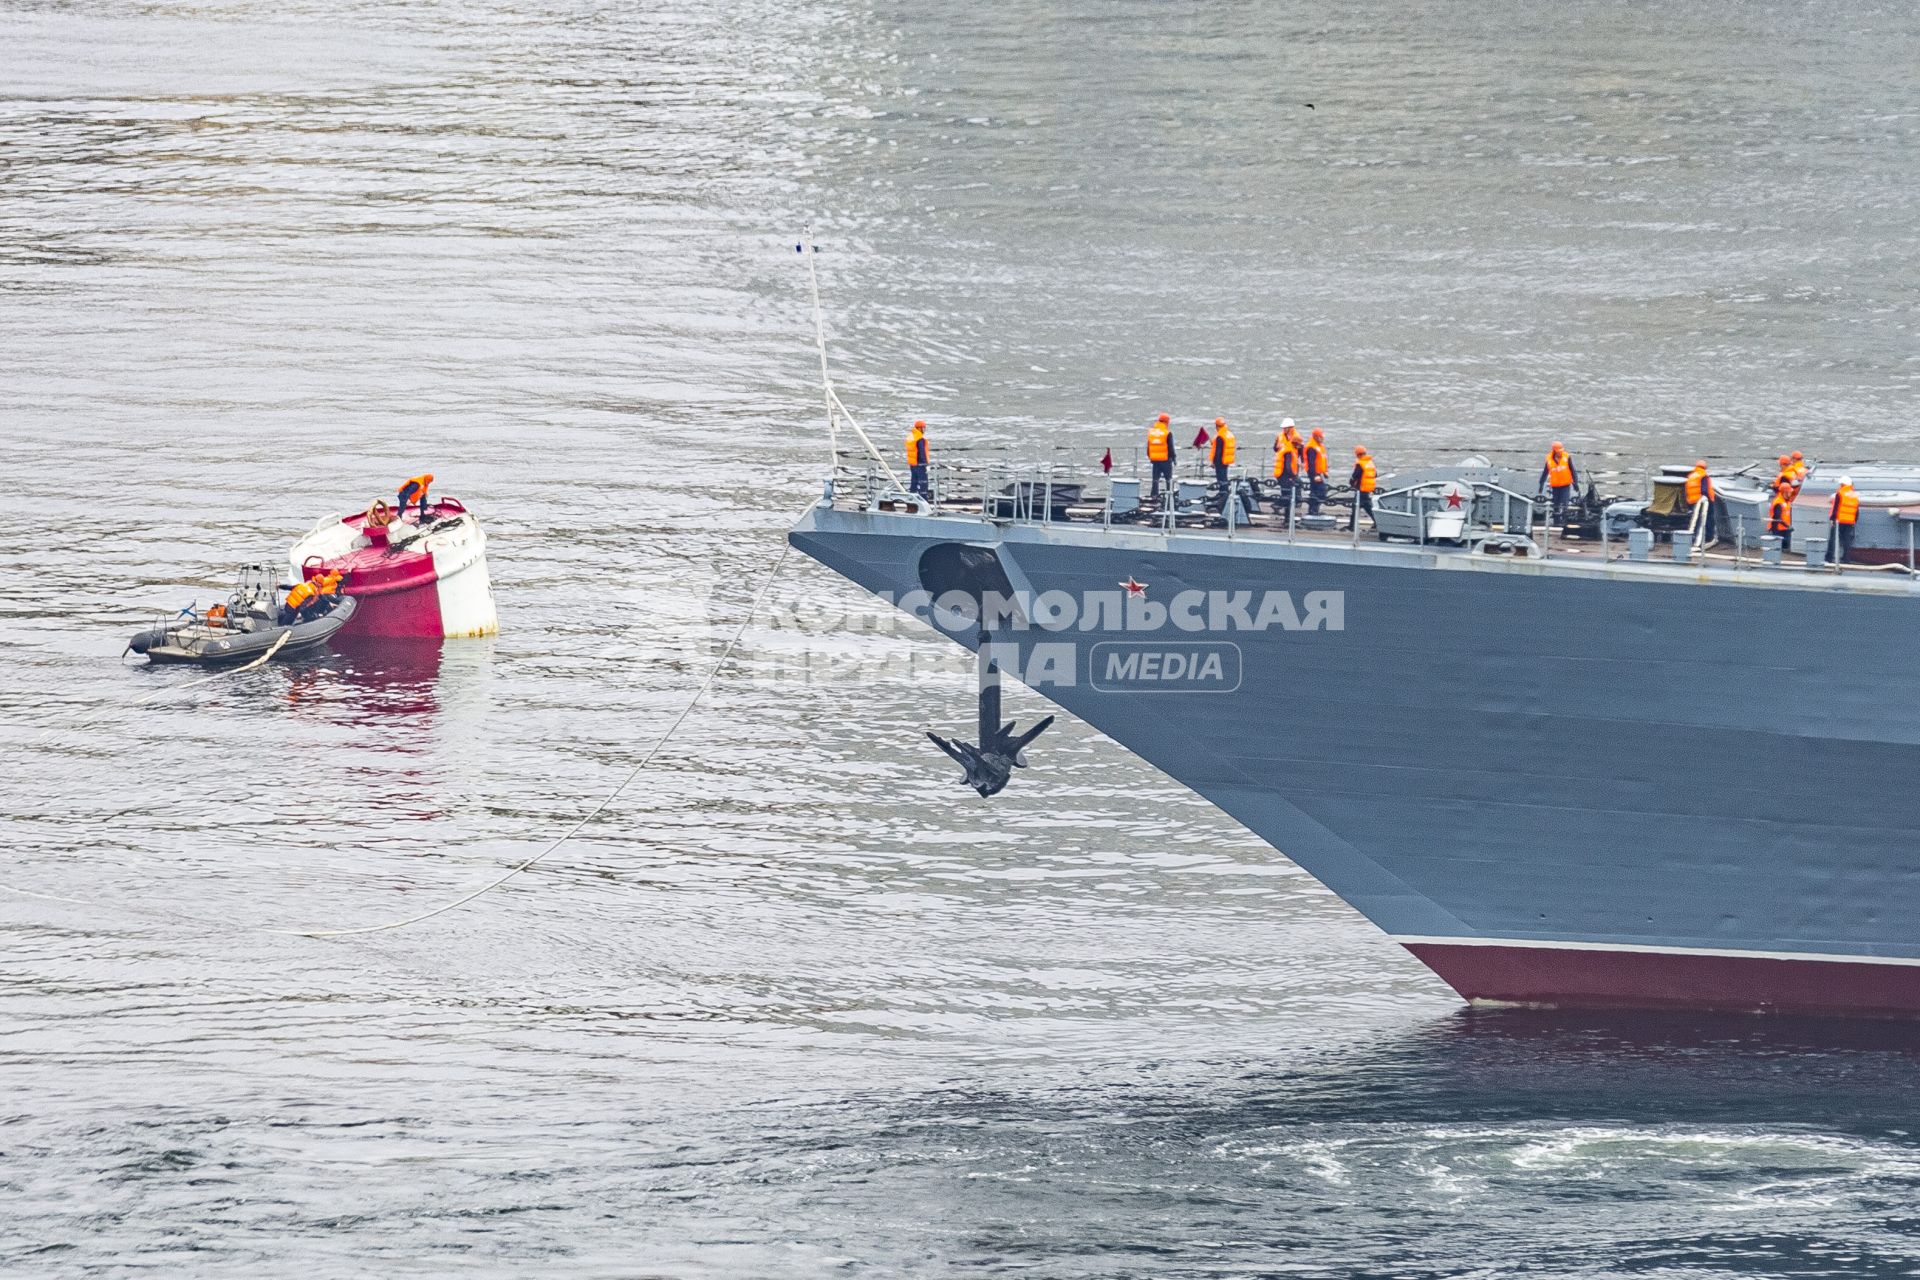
(919, 424)
(1165, 418)
(1318, 434)
(1700, 463)
(1797, 455)
(1219, 422)
(1359, 451)
(1785, 461)
(1557, 446)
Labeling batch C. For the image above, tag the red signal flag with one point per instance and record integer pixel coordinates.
(1106, 463)
(1200, 441)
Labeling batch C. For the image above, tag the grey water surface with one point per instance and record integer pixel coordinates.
(797, 1003)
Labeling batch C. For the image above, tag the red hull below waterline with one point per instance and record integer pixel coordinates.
(1596, 978)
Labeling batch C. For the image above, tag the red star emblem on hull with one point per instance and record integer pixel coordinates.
(1134, 588)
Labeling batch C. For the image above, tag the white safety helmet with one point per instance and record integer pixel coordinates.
(1846, 479)
(1285, 423)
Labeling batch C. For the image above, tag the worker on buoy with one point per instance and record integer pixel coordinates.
(1558, 477)
(917, 459)
(1222, 455)
(1160, 454)
(1366, 477)
(1288, 462)
(415, 490)
(1845, 513)
(1700, 489)
(1780, 515)
(1314, 462)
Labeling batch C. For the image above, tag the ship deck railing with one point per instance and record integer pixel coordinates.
(1009, 490)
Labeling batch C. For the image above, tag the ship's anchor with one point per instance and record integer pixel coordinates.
(990, 765)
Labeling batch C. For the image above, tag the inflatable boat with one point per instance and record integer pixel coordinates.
(246, 627)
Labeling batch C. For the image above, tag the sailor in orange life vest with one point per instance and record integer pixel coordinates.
(311, 598)
(1160, 454)
(1222, 455)
(1314, 462)
(917, 458)
(1558, 477)
(1700, 489)
(1785, 480)
(1287, 458)
(1780, 515)
(415, 490)
(1845, 513)
(1366, 477)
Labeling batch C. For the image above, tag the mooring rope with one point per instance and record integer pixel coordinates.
(260, 661)
(713, 673)
(163, 692)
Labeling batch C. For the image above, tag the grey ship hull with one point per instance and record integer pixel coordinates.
(1555, 784)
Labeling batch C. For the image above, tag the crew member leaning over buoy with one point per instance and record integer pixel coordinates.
(415, 490)
(311, 598)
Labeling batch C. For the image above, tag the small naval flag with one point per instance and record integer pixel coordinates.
(1200, 441)
(1106, 463)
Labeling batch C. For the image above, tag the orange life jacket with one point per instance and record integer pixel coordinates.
(415, 489)
(1846, 505)
(1780, 516)
(216, 615)
(1316, 460)
(916, 450)
(1698, 486)
(1368, 475)
(302, 592)
(1559, 469)
(1159, 442)
(1286, 463)
(1223, 448)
